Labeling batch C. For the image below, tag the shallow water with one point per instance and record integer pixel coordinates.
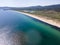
(18, 29)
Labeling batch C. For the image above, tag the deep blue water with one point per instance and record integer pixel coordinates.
(19, 29)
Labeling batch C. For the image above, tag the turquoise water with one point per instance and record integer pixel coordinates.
(18, 29)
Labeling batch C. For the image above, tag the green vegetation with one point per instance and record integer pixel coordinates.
(49, 14)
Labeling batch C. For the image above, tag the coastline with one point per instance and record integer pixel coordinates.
(44, 19)
(49, 21)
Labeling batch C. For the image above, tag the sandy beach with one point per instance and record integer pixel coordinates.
(49, 21)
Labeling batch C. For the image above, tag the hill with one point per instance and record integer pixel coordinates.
(50, 7)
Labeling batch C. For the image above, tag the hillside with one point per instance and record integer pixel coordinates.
(50, 7)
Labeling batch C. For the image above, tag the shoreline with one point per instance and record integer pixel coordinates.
(49, 21)
(44, 19)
